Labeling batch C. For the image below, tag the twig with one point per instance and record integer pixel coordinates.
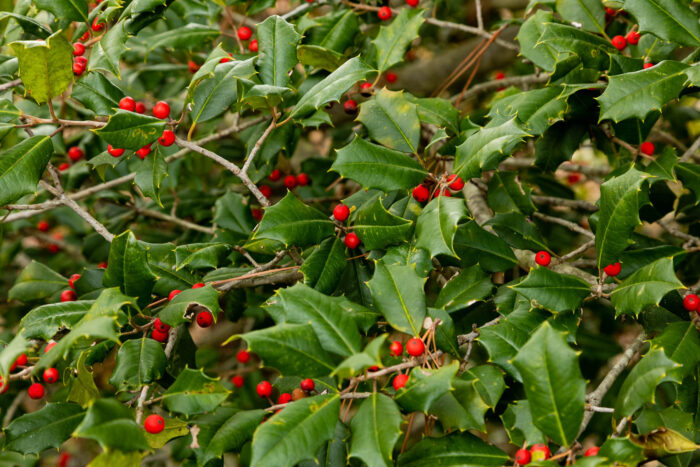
(172, 335)
(595, 408)
(576, 252)
(349, 395)
(494, 85)
(259, 143)
(564, 223)
(303, 8)
(479, 16)
(175, 220)
(10, 84)
(466, 338)
(679, 233)
(570, 203)
(12, 409)
(692, 150)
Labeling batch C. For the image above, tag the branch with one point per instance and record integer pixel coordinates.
(303, 8)
(564, 223)
(172, 335)
(569, 203)
(692, 150)
(470, 337)
(174, 220)
(259, 143)
(349, 395)
(10, 84)
(496, 84)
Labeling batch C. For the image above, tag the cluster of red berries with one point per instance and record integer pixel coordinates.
(160, 110)
(341, 213)
(415, 348)
(541, 452)
(79, 62)
(243, 356)
(290, 181)
(36, 390)
(421, 193)
(691, 302)
(244, 34)
(264, 390)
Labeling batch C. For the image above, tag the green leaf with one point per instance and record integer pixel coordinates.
(464, 289)
(392, 120)
(74, 10)
(323, 268)
(111, 424)
(112, 458)
(553, 384)
(46, 428)
(278, 42)
(36, 282)
(619, 215)
(375, 428)
(437, 225)
(554, 291)
(139, 362)
(22, 166)
(29, 25)
(536, 110)
(505, 194)
(44, 322)
(393, 39)
(374, 166)
(191, 36)
(16, 347)
(473, 243)
(517, 421)
(486, 148)
(462, 408)
(564, 40)
(292, 222)
(200, 255)
(128, 268)
(130, 130)
(293, 349)
(97, 93)
(231, 213)
(233, 433)
(425, 387)
(82, 387)
(689, 174)
(645, 287)
(203, 297)
(174, 428)
(518, 231)
(542, 55)
(457, 449)
(640, 385)
(331, 88)
(370, 356)
(589, 13)
(558, 144)
(638, 93)
(621, 451)
(150, 178)
(106, 54)
(194, 392)
(45, 66)
(435, 110)
(681, 343)
(377, 228)
(297, 432)
(319, 57)
(398, 294)
(334, 31)
(671, 20)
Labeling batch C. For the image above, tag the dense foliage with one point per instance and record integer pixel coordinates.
(271, 233)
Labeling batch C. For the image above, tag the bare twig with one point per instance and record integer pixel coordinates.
(692, 151)
(10, 84)
(570, 203)
(175, 220)
(259, 143)
(494, 85)
(564, 223)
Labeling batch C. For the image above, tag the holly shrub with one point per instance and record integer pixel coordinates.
(348, 232)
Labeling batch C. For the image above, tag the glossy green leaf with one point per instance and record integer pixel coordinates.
(45, 428)
(375, 427)
(201, 255)
(374, 166)
(29, 25)
(22, 166)
(463, 408)
(457, 449)
(292, 222)
(689, 174)
(97, 93)
(671, 20)
(278, 42)
(553, 384)
(36, 282)
(517, 421)
(130, 130)
(111, 424)
(16, 347)
(475, 244)
(82, 387)
(564, 40)
(190, 36)
(150, 179)
(437, 225)
(645, 287)
(552, 290)
(206, 298)
(44, 322)
(542, 55)
(112, 458)
(535, 110)
(377, 228)
(392, 120)
(621, 451)
(437, 111)
(74, 10)
(334, 31)
(424, 387)
(323, 268)
(194, 392)
(214, 95)
(393, 39)
(589, 13)
(319, 57)
(231, 213)
(681, 343)
(128, 268)
(297, 432)
(506, 194)
(233, 433)
(465, 289)
(370, 356)
(107, 53)
(139, 361)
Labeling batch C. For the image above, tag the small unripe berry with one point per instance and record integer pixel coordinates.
(43, 226)
(298, 393)
(161, 110)
(144, 151)
(50, 375)
(591, 452)
(154, 424)
(619, 42)
(167, 139)
(691, 302)
(160, 326)
(399, 381)
(199, 285)
(307, 384)
(114, 152)
(36, 391)
(68, 296)
(72, 279)
(396, 348)
(140, 108)
(613, 270)
(253, 46)
(633, 37)
(543, 258)
(352, 241)
(243, 356)
(244, 33)
(350, 106)
(172, 294)
(238, 381)
(341, 212)
(523, 457)
(78, 49)
(391, 77)
(421, 193)
(303, 179)
(384, 13)
(75, 154)
(290, 181)
(647, 65)
(127, 103)
(284, 398)
(415, 347)
(275, 175)
(455, 182)
(204, 319)
(159, 336)
(264, 389)
(540, 452)
(647, 148)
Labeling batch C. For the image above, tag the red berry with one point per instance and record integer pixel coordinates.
(161, 110)
(647, 148)
(97, 26)
(85, 36)
(421, 193)
(257, 214)
(204, 319)
(396, 348)
(114, 152)
(68, 296)
(391, 77)
(399, 381)
(415, 347)
(290, 181)
(63, 166)
(144, 151)
(238, 381)
(352, 240)
(199, 285)
(303, 179)
(36, 391)
(573, 178)
(523, 457)
(633, 37)
(366, 89)
(540, 452)
(243, 356)
(455, 182)
(172, 294)
(307, 384)
(43, 226)
(50, 375)
(384, 13)
(373, 368)
(284, 398)
(350, 106)
(445, 192)
(611, 11)
(75, 154)
(275, 175)
(265, 190)
(225, 60)
(71, 281)
(50, 345)
(244, 33)
(412, 3)
(691, 302)
(160, 326)
(543, 258)
(82, 61)
(102, 265)
(140, 108)
(167, 139)
(341, 212)
(78, 49)
(253, 46)
(154, 424)
(590, 452)
(127, 103)
(619, 42)
(159, 335)
(613, 270)
(264, 389)
(192, 66)
(499, 75)
(21, 361)
(648, 65)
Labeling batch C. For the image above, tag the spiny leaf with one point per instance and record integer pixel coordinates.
(45, 66)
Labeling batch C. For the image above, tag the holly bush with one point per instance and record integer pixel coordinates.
(249, 232)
